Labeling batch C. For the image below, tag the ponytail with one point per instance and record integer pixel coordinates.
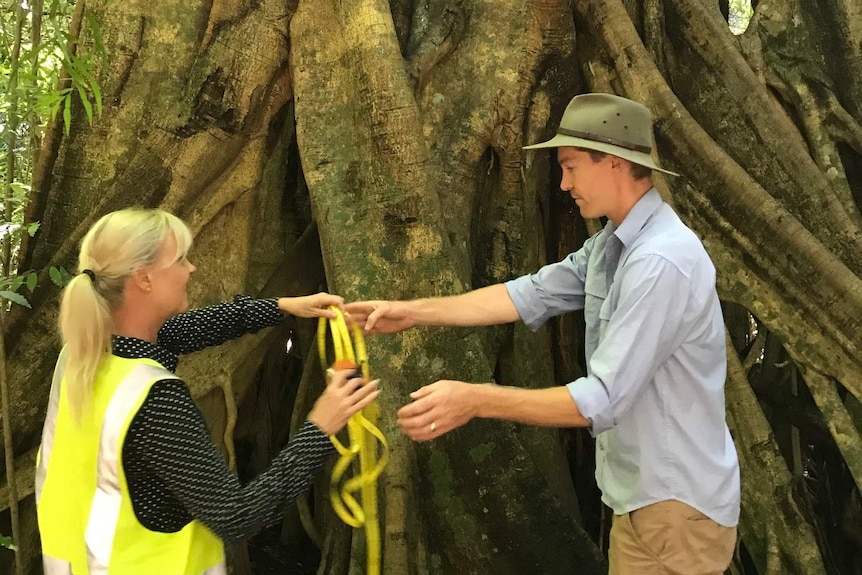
(86, 326)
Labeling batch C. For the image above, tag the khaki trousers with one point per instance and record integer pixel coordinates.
(669, 538)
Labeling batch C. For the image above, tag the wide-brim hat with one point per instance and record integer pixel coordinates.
(607, 123)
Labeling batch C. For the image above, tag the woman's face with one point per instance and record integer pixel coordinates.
(169, 277)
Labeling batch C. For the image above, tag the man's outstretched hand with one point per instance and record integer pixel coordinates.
(378, 316)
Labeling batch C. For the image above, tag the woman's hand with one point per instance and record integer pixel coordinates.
(316, 305)
(344, 396)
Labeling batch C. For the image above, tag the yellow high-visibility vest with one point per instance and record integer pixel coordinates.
(86, 520)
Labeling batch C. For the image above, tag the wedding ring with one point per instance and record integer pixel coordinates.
(433, 426)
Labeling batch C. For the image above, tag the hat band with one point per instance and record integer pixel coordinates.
(604, 140)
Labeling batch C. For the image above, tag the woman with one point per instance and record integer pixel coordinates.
(128, 480)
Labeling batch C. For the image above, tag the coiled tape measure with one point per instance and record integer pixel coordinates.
(364, 440)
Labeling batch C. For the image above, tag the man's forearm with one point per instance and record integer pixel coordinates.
(550, 407)
(485, 306)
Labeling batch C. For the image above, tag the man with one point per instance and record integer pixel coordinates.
(654, 392)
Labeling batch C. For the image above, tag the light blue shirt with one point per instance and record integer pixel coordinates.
(656, 362)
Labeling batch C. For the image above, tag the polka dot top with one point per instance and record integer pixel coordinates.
(174, 471)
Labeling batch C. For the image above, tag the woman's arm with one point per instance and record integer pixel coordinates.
(213, 325)
(169, 435)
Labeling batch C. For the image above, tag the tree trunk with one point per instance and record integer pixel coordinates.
(393, 158)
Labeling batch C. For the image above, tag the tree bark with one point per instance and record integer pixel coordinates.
(382, 157)
(776, 533)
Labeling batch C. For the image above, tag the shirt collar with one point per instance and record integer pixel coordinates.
(134, 348)
(638, 217)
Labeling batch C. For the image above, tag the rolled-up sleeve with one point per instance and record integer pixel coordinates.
(554, 289)
(642, 332)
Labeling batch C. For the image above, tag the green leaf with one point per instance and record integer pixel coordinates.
(48, 101)
(7, 543)
(15, 298)
(22, 189)
(86, 69)
(31, 281)
(84, 66)
(32, 228)
(56, 277)
(67, 114)
(88, 108)
(97, 34)
(15, 283)
(61, 97)
(72, 69)
(97, 96)
(55, 107)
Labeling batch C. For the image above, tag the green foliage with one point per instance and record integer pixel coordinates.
(740, 15)
(59, 276)
(43, 71)
(11, 286)
(42, 65)
(15, 298)
(43, 68)
(79, 69)
(7, 543)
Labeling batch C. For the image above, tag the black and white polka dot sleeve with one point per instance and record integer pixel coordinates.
(168, 435)
(213, 325)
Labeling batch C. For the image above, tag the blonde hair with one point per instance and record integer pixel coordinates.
(118, 244)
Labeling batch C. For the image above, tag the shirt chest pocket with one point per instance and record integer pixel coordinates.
(595, 302)
(598, 307)
(604, 317)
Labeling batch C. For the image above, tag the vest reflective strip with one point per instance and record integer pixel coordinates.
(50, 423)
(51, 566)
(105, 511)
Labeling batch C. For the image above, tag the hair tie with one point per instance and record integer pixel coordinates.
(90, 274)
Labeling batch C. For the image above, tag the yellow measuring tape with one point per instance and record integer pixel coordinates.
(364, 438)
